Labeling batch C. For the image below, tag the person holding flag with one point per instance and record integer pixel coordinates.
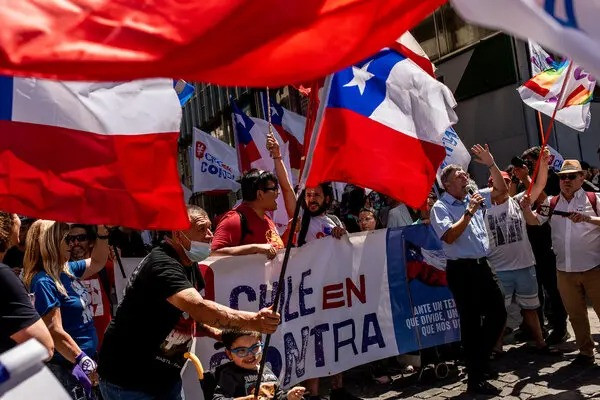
(156, 321)
(248, 229)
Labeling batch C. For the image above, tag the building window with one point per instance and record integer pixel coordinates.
(444, 32)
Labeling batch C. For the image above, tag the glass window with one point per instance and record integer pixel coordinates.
(425, 33)
(444, 32)
(457, 32)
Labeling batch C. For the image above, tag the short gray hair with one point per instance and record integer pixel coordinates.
(195, 212)
(447, 171)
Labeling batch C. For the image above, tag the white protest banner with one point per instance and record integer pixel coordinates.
(456, 152)
(345, 302)
(23, 374)
(215, 164)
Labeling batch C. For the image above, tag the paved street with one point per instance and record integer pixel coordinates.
(523, 375)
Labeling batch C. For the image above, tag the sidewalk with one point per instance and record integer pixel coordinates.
(523, 375)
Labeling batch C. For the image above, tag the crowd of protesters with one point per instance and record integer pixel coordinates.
(537, 242)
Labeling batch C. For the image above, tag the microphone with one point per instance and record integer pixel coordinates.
(472, 189)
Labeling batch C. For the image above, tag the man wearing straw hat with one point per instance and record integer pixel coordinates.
(573, 217)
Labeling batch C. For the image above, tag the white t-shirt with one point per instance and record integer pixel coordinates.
(319, 227)
(399, 216)
(507, 231)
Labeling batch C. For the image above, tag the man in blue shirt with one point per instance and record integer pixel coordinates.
(457, 218)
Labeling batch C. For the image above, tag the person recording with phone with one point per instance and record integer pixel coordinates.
(573, 217)
(458, 219)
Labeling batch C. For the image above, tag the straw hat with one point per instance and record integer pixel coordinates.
(570, 166)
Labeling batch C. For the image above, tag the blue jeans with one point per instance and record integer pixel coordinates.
(114, 392)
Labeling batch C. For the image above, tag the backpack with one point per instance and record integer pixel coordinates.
(244, 224)
(590, 195)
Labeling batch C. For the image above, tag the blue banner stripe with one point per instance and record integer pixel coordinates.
(406, 339)
(436, 320)
(6, 98)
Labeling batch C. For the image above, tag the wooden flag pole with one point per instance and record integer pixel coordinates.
(541, 126)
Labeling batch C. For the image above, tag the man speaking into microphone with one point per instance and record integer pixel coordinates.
(458, 220)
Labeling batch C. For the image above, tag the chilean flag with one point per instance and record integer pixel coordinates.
(380, 126)
(248, 152)
(97, 153)
(208, 41)
(290, 126)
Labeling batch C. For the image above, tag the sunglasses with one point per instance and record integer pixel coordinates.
(246, 351)
(80, 238)
(570, 177)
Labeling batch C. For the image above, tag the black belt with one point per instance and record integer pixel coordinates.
(468, 261)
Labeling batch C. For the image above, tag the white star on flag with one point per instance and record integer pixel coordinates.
(361, 76)
(274, 111)
(239, 120)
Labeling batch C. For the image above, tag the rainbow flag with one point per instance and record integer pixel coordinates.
(542, 90)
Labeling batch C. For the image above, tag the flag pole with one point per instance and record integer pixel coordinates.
(118, 257)
(299, 201)
(541, 126)
(280, 284)
(550, 124)
(235, 138)
(313, 137)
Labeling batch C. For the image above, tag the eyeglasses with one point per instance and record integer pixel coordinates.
(246, 351)
(273, 188)
(570, 177)
(80, 238)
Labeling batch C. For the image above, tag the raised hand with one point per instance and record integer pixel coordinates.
(273, 146)
(483, 155)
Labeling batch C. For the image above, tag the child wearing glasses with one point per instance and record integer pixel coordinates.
(237, 378)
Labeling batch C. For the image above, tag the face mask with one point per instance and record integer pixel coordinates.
(198, 250)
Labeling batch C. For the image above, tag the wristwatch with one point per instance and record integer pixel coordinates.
(469, 213)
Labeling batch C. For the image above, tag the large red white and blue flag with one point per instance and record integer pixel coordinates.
(380, 126)
(290, 126)
(205, 40)
(98, 153)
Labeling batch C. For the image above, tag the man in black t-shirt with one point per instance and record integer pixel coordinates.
(142, 353)
(18, 319)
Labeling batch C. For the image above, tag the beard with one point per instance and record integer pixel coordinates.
(77, 253)
(320, 211)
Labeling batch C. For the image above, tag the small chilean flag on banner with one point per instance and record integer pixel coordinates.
(381, 127)
(98, 153)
